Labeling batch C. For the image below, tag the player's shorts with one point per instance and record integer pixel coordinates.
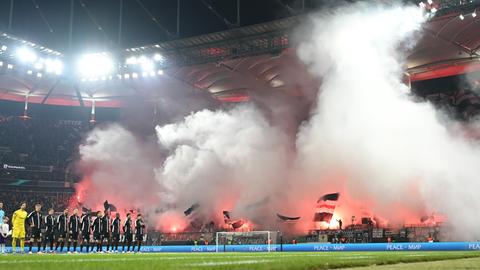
(139, 237)
(128, 237)
(97, 236)
(62, 234)
(86, 236)
(49, 236)
(35, 233)
(18, 233)
(3, 240)
(73, 236)
(115, 236)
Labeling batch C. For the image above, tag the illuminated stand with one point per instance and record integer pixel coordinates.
(254, 241)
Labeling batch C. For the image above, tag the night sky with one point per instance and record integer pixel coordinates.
(138, 27)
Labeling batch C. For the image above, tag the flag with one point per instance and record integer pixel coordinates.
(285, 218)
(109, 206)
(191, 209)
(324, 210)
(237, 224)
(226, 216)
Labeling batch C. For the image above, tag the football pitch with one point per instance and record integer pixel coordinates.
(274, 260)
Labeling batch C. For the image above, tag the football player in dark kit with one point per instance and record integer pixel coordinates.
(97, 231)
(115, 232)
(49, 230)
(128, 232)
(139, 231)
(85, 230)
(62, 227)
(73, 229)
(106, 228)
(34, 219)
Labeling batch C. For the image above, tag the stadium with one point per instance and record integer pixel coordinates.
(239, 134)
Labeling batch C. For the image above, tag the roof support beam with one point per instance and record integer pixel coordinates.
(51, 90)
(79, 95)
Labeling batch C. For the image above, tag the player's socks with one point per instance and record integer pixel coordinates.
(39, 246)
(14, 245)
(22, 245)
(74, 246)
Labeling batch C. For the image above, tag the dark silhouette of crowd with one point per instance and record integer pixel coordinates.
(58, 200)
(39, 141)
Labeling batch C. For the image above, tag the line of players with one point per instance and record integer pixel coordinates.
(74, 228)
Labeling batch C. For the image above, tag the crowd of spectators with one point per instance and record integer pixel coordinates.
(39, 141)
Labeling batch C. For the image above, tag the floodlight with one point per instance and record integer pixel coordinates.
(461, 17)
(54, 66)
(430, 2)
(93, 65)
(39, 75)
(3, 48)
(38, 65)
(474, 14)
(134, 75)
(131, 60)
(26, 55)
(157, 57)
(160, 72)
(433, 10)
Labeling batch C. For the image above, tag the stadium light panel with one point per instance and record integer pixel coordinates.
(157, 57)
(430, 2)
(9, 66)
(433, 10)
(461, 17)
(1, 64)
(29, 72)
(126, 76)
(38, 65)
(54, 66)
(39, 75)
(474, 14)
(134, 75)
(4, 48)
(94, 65)
(152, 73)
(26, 55)
(160, 72)
(131, 60)
(422, 5)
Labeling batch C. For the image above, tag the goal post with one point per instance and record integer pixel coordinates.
(259, 240)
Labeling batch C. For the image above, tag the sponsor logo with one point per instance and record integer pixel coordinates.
(14, 167)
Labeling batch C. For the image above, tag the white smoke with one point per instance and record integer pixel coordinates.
(223, 159)
(393, 151)
(364, 137)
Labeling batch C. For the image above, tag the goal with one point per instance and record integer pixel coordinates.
(255, 240)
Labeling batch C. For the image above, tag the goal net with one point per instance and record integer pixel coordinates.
(256, 240)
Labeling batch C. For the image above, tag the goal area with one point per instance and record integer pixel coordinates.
(258, 240)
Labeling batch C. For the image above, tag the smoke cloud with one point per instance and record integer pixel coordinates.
(394, 153)
(389, 156)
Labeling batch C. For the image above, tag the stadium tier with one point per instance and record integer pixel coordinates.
(237, 127)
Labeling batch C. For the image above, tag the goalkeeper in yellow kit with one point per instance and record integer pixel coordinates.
(18, 223)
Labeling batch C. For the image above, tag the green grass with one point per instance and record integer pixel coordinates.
(230, 261)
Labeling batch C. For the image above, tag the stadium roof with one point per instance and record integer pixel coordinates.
(229, 64)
